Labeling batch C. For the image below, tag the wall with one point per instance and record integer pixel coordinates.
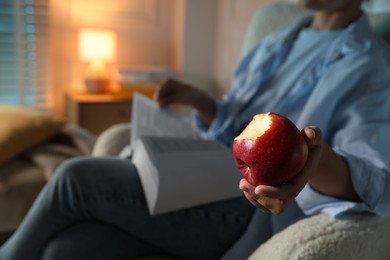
(173, 33)
(144, 34)
(143, 30)
(198, 43)
(200, 39)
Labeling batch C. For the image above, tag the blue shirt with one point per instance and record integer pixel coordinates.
(346, 93)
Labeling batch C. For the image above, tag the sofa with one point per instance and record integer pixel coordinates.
(360, 236)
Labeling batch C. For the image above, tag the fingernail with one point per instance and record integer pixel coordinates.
(313, 132)
(261, 192)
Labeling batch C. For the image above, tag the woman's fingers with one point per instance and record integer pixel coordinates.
(266, 204)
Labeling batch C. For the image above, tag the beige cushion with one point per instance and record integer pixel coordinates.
(111, 141)
(22, 128)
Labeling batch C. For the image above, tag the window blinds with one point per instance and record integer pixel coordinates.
(24, 52)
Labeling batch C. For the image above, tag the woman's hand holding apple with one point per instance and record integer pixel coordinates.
(276, 199)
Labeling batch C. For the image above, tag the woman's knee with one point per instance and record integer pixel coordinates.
(71, 168)
(89, 172)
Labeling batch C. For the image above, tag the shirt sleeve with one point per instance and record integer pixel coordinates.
(221, 127)
(364, 142)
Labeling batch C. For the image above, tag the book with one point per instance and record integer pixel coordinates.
(147, 119)
(177, 168)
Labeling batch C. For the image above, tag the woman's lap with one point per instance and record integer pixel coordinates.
(108, 190)
(95, 240)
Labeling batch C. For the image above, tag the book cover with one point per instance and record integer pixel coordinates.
(178, 173)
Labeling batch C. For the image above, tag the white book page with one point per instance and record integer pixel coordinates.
(149, 120)
(148, 174)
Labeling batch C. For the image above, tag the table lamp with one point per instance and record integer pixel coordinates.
(97, 47)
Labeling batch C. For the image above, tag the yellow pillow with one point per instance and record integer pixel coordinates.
(22, 128)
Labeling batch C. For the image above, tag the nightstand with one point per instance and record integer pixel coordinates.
(96, 112)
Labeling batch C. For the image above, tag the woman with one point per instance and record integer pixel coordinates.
(328, 70)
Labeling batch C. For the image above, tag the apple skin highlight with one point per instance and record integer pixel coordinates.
(275, 155)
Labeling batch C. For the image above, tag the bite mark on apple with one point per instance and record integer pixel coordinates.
(259, 125)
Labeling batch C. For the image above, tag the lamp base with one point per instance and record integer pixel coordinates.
(97, 85)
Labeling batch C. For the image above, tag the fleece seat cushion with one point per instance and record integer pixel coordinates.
(321, 237)
(22, 128)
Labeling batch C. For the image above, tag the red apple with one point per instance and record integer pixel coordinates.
(270, 150)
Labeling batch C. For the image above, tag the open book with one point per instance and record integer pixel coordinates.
(177, 168)
(147, 119)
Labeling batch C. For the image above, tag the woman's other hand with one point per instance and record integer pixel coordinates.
(173, 92)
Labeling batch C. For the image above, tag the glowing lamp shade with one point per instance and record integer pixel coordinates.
(97, 47)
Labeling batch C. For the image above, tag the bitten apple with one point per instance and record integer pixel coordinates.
(270, 150)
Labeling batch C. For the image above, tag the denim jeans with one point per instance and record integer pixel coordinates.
(94, 208)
